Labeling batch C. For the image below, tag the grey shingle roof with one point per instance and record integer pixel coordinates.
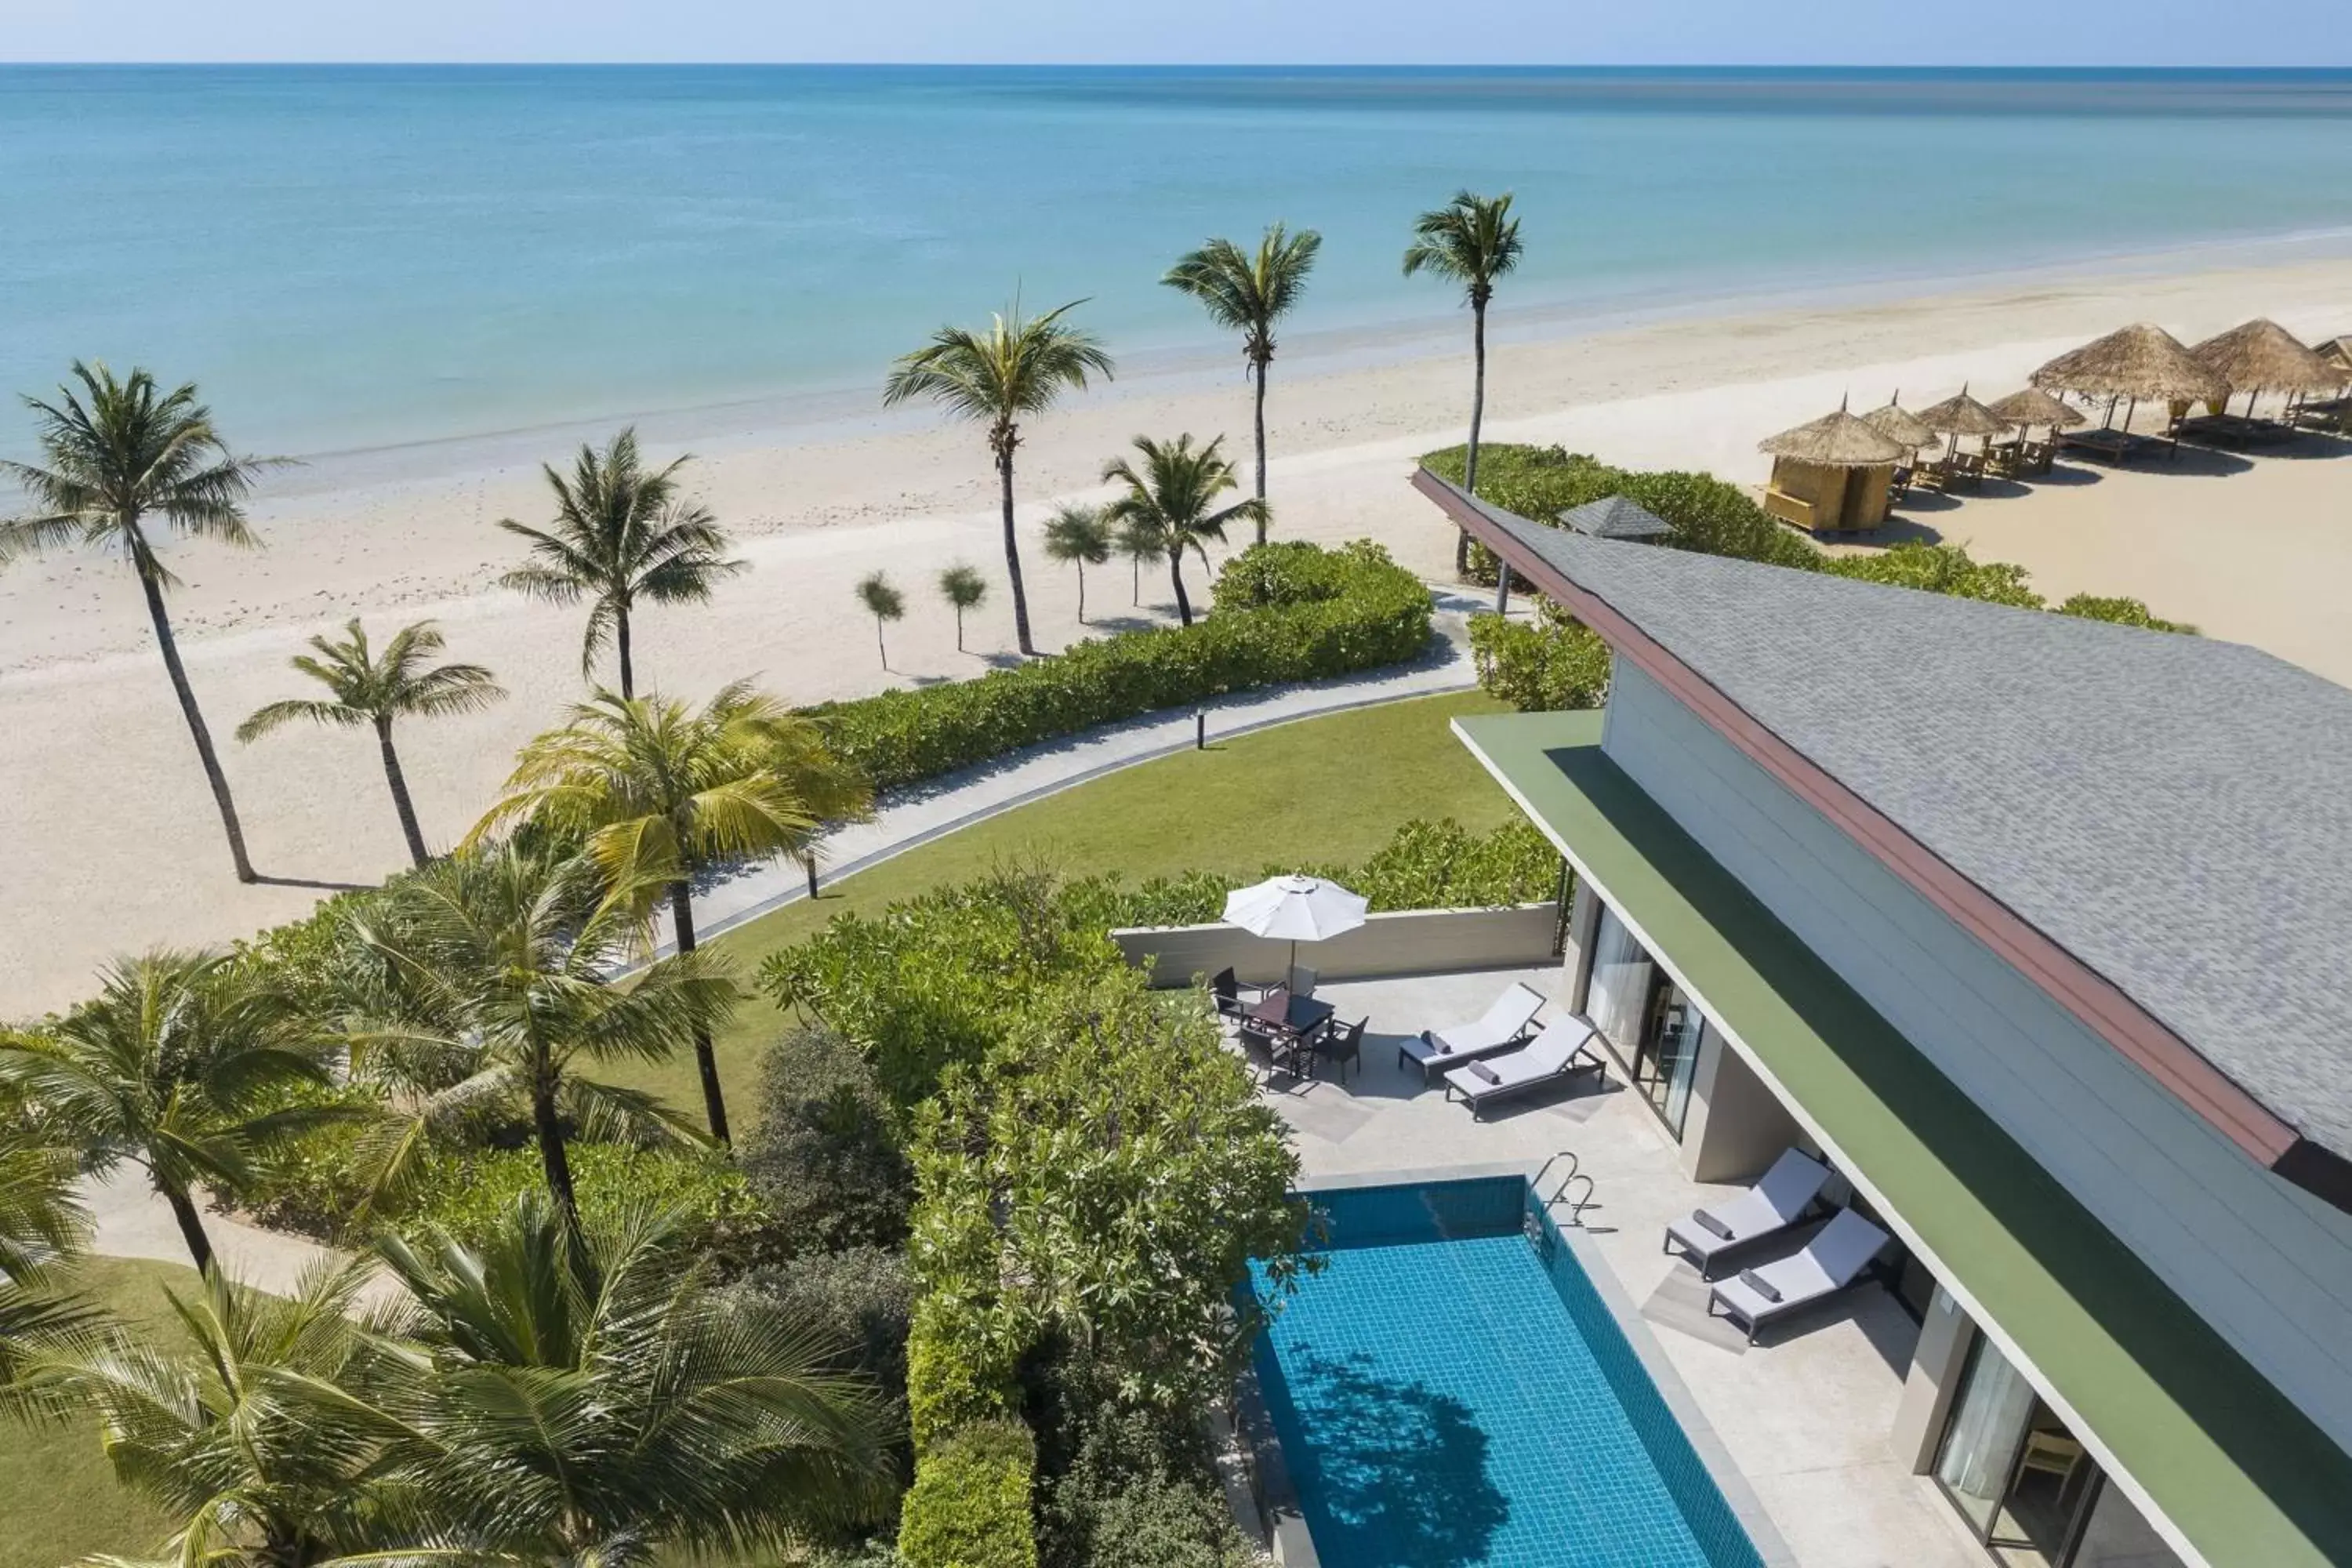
(2175, 811)
(1615, 517)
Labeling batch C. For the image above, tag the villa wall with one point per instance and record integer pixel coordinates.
(1409, 942)
(2268, 1265)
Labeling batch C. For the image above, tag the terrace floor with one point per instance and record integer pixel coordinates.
(1806, 1416)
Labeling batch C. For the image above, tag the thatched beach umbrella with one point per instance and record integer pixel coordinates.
(2032, 405)
(2142, 362)
(1836, 440)
(2263, 356)
(2336, 351)
(1961, 415)
(1900, 423)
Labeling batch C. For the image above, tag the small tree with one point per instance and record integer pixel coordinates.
(963, 588)
(1471, 240)
(885, 604)
(1172, 497)
(1080, 536)
(1140, 545)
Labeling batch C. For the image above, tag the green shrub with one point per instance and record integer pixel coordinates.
(962, 1348)
(1543, 666)
(2122, 612)
(1133, 1488)
(970, 1505)
(1941, 569)
(468, 1194)
(823, 1159)
(1286, 619)
(863, 1298)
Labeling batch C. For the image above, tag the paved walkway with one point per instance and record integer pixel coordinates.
(940, 806)
(129, 1220)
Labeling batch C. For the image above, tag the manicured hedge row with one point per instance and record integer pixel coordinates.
(1284, 612)
(969, 1507)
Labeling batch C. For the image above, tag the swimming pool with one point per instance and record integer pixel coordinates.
(1452, 1391)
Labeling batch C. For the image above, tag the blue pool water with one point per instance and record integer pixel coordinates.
(1451, 1393)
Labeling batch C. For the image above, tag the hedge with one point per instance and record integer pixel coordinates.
(1284, 612)
(969, 1507)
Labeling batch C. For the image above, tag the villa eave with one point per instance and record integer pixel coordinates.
(2201, 1440)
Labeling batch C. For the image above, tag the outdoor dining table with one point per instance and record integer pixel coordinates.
(1289, 1014)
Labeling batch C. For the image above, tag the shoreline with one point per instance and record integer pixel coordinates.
(104, 801)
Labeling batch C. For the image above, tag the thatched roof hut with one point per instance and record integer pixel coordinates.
(1961, 415)
(1899, 423)
(2263, 356)
(1836, 440)
(2032, 405)
(1615, 517)
(2142, 362)
(2336, 350)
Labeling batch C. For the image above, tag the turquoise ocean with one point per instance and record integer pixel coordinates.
(355, 257)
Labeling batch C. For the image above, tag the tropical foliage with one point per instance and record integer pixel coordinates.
(622, 536)
(1171, 499)
(41, 1224)
(364, 687)
(1248, 294)
(1015, 369)
(1080, 536)
(659, 792)
(970, 1505)
(122, 459)
(1472, 241)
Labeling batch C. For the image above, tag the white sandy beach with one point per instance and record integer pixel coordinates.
(112, 842)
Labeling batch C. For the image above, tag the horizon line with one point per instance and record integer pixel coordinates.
(1517, 67)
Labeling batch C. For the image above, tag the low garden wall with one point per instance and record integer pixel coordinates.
(1408, 941)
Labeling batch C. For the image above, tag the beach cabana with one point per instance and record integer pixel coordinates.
(1959, 418)
(2258, 357)
(2028, 407)
(2330, 413)
(2139, 364)
(1831, 475)
(1615, 517)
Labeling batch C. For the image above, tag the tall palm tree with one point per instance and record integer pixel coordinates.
(1017, 367)
(1172, 500)
(121, 459)
(1248, 294)
(661, 792)
(497, 972)
(366, 688)
(1078, 536)
(250, 1420)
(587, 1397)
(177, 1067)
(622, 534)
(885, 604)
(1471, 240)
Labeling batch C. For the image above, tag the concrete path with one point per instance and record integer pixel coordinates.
(940, 806)
(130, 1221)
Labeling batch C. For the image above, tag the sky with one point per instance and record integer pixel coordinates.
(1339, 32)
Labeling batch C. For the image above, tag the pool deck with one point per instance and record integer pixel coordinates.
(1805, 1417)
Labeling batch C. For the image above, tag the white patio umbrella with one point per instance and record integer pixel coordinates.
(1298, 908)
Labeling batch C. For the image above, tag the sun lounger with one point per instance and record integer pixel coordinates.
(1767, 1209)
(1505, 1024)
(1562, 1051)
(1829, 1262)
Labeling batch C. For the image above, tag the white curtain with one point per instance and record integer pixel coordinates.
(1620, 982)
(1987, 1424)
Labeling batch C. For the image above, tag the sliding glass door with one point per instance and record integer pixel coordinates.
(1642, 1012)
(1618, 998)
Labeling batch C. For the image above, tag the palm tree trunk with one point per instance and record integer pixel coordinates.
(621, 626)
(1082, 593)
(400, 801)
(1136, 597)
(880, 644)
(552, 1160)
(706, 1062)
(1013, 559)
(1258, 414)
(1176, 576)
(203, 737)
(959, 610)
(192, 1225)
(1477, 417)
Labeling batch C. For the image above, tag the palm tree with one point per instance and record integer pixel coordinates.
(497, 970)
(366, 690)
(1078, 535)
(621, 535)
(588, 1397)
(661, 792)
(963, 589)
(40, 1224)
(1139, 545)
(1471, 240)
(1016, 368)
(177, 1067)
(118, 457)
(254, 1424)
(1170, 502)
(1248, 294)
(884, 603)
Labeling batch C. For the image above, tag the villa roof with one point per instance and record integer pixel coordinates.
(2169, 810)
(1615, 517)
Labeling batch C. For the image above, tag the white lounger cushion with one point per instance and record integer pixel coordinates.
(1546, 1055)
(1828, 1264)
(1505, 1022)
(1773, 1204)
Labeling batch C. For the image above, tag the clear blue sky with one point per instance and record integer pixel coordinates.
(1764, 32)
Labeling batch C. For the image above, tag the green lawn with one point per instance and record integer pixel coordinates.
(60, 1502)
(1331, 789)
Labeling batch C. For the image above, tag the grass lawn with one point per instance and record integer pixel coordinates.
(60, 1502)
(1331, 789)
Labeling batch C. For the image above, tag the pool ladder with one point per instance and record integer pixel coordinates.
(1576, 1206)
